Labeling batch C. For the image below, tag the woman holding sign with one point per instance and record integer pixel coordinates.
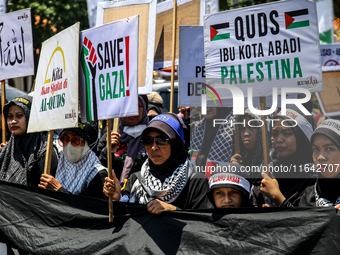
(167, 180)
(291, 157)
(324, 191)
(130, 154)
(22, 159)
(79, 170)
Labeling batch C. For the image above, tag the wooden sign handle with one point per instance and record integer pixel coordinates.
(48, 157)
(110, 150)
(174, 28)
(265, 140)
(3, 102)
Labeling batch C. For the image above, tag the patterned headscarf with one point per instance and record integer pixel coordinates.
(20, 154)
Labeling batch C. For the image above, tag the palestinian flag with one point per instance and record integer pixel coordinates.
(214, 33)
(293, 19)
(325, 20)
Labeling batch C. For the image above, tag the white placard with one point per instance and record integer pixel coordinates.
(2, 6)
(55, 100)
(109, 70)
(16, 45)
(264, 46)
(330, 57)
(146, 33)
(191, 72)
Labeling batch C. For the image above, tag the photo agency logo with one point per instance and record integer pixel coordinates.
(239, 107)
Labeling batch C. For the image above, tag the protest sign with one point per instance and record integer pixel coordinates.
(16, 45)
(330, 57)
(264, 46)
(108, 81)
(146, 9)
(55, 101)
(325, 20)
(329, 99)
(191, 72)
(92, 11)
(189, 13)
(2, 6)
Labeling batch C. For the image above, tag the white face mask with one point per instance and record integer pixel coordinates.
(74, 154)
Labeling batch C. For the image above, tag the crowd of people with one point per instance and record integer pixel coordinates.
(161, 159)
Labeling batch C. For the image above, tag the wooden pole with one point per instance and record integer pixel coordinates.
(48, 157)
(174, 28)
(237, 138)
(109, 163)
(265, 140)
(110, 150)
(3, 102)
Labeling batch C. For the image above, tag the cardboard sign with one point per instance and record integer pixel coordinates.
(16, 45)
(146, 9)
(189, 13)
(330, 57)
(264, 46)
(191, 72)
(329, 99)
(55, 101)
(109, 59)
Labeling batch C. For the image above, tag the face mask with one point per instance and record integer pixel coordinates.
(74, 154)
(134, 131)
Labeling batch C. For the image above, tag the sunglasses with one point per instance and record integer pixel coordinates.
(75, 140)
(161, 141)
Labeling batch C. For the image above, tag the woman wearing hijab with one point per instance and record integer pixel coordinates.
(167, 180)
(251, 149)
(324, 191)
(291, 136)
(212, 143)
(130, 154)
(22, 159)
(79, 170)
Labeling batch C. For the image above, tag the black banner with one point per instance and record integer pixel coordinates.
(46, 222)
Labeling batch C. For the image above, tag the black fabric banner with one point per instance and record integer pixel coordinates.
(45, 222)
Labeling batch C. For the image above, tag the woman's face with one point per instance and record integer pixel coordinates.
(16, 120)
(284, 139)
(158, 155)
(134, 120)
(248, 135)
(326, 156)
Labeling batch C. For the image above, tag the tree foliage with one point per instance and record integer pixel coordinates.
(51, 16)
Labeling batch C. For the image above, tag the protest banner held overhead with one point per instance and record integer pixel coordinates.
(264, 46)
(191, 72)
(146, 10)
(109, 58)
(55, 101)
(16, 45)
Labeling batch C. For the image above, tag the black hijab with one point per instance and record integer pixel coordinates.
(19, 156)
(178, 154)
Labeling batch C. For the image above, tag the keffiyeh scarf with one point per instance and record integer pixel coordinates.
(147, 187)
(76, 177)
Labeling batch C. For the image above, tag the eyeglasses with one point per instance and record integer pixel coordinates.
(161, 141)
(75, 140)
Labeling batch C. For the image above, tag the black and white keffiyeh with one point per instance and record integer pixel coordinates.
(76, 177)
(148, 187)
(321, 201)
(222, 145)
